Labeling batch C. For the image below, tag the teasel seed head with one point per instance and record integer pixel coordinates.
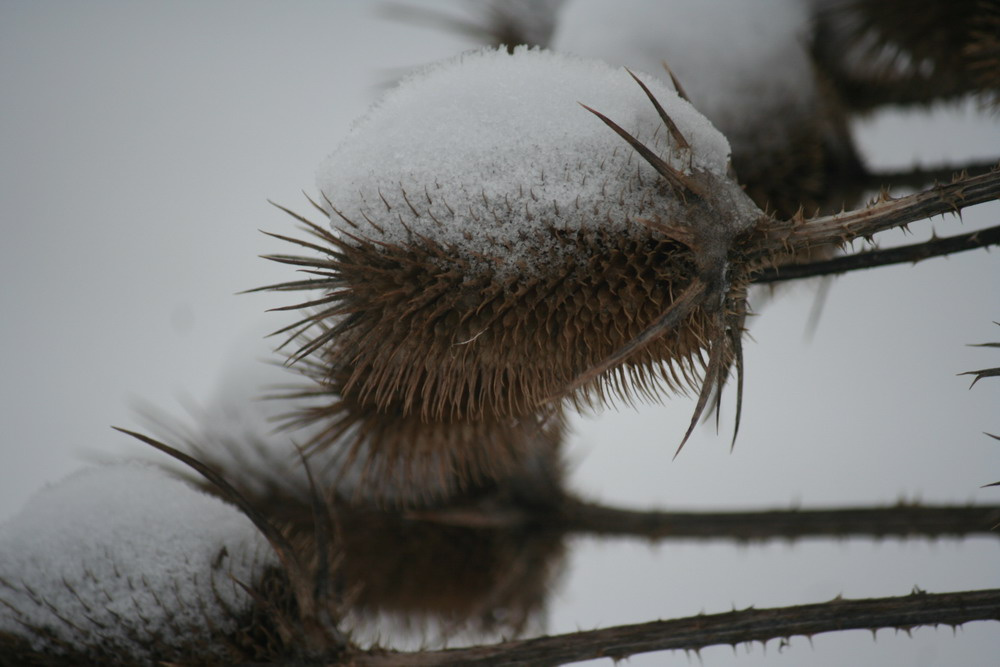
(486, 262)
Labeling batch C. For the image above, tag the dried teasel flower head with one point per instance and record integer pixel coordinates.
(496, 247)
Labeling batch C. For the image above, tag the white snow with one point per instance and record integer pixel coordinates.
(114, 555)
(488, 147)
(743, 63)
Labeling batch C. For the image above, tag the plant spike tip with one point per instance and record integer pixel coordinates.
(677, 84)
(675, 131)
(712, 383)
(674, 177)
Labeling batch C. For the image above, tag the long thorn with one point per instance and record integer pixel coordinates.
(709, 385)
(675, 131)
(737, 344)
(677, 84)
(673, 176)
(300, 218)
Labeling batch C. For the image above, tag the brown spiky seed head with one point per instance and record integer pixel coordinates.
(496, 246)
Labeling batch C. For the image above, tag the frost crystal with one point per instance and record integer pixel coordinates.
(483, 152)
(125, 560)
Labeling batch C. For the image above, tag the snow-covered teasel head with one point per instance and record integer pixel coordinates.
(483, 153)
(127, 562)
(496, 245)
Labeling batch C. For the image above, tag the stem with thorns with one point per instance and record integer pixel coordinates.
(983, 238)
(919, 177)
(576, 516)
(696, 632)
(774, 238)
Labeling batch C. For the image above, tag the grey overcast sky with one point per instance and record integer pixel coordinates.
(139, 143)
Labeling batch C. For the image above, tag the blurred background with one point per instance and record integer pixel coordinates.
(139, 144)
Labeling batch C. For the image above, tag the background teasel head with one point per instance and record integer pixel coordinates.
(941, 51)
(789, 134)
(167, 579)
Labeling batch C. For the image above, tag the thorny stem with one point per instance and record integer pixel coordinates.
(777, 237)
(903, 520)
(919, 177)
(736, 627)
(916, 252)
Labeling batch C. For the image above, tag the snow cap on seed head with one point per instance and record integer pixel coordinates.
(474, 153)
(128, 560)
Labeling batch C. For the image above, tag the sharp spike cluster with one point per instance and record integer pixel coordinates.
(441, 369)
(466, 373)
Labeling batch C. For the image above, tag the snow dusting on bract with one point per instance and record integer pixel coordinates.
(481, 152)
(744, 64)
(123, 559)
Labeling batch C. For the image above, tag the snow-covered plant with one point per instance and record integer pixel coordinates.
(538, 248)
(126, 564)
(747, 67)
(509, 230)
(505, 236)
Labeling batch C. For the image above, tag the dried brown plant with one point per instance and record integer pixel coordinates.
(658, 309)
(470, 434)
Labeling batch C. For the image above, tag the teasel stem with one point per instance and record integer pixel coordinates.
(730, 628)
(780, 237)
(579, 517)
(937, 247)
(903, 520)
(919, 177)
